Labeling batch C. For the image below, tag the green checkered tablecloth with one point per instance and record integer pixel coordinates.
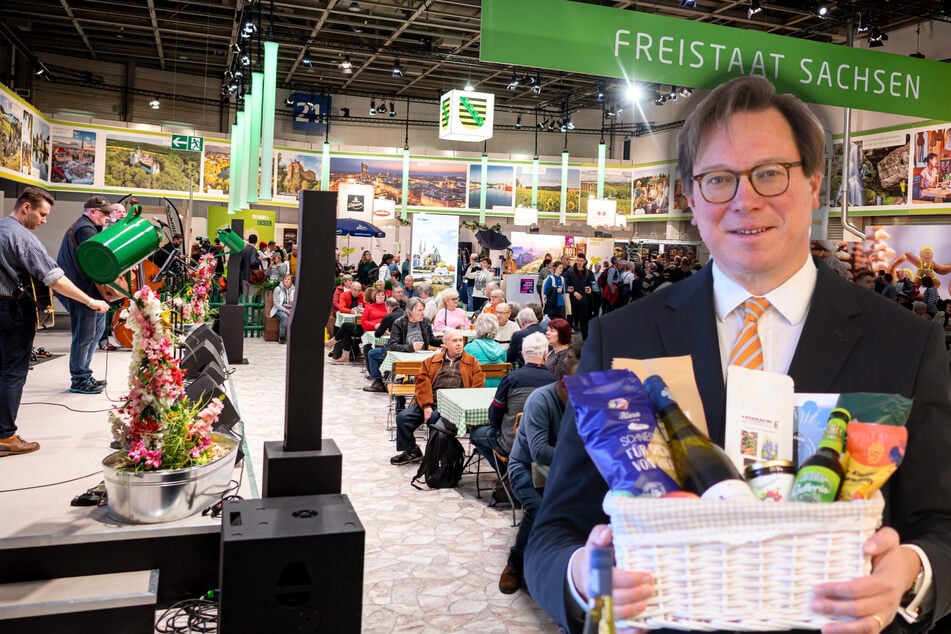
(369, 339)
(392, 356)
(345, 318)
(466, 407)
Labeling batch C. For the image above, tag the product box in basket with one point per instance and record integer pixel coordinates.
(739, 565)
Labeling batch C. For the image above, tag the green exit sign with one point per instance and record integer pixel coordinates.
(187, 143)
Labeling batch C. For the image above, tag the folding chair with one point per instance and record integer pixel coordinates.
(501, 471)
(400, 389)
(495, 370)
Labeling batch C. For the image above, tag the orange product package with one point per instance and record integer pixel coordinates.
(874, 451)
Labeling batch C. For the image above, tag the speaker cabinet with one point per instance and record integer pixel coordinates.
(205, 388)
(198, 357)
(202, 333)
(291, 564)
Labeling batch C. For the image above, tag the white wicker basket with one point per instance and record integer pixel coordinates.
(743, 566)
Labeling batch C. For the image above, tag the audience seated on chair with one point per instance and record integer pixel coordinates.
(507, 326)
(534, 443)
(451, 367)
(410, 333)
(528, 322)
(510, 398)
(483, 347)
(448, 313)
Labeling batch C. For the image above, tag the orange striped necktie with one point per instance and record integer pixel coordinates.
(747, 351)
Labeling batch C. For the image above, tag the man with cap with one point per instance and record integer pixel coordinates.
(22, 256)
(86, 326)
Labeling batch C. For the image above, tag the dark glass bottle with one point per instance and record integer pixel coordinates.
(702, 467)
(820, 476)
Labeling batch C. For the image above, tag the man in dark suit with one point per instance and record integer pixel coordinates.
(755, 161)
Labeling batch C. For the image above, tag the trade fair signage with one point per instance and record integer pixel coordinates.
(465, 115)
(595, 40)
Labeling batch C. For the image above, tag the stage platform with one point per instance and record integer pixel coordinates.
(42, 536)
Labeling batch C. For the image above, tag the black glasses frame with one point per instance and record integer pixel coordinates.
(747, 174)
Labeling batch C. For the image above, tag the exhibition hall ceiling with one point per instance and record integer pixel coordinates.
(435, 41)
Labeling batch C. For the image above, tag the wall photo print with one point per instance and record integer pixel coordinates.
(149, 162)
(499, 185)
(931, 156)
(878, 170)
(73, 156)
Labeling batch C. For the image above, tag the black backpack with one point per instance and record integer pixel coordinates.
(443, 461)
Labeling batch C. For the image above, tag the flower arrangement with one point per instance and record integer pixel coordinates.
(192, 300)
(157, 426)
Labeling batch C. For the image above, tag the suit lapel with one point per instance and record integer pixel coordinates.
(828, 336)
(691, 329)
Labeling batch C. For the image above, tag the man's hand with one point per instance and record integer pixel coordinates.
(427, 412)
(631, 589)
(872, 601)
(99, 306)
(417, 345)
(577, 295)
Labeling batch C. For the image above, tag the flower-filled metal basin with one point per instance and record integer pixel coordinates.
(149, 497)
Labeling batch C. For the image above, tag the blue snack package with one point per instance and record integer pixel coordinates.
(616, 421)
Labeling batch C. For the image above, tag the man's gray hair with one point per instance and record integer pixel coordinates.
(486, 326)
(412, 302)
(526, 317)
(449, 333)
(392, 303)
(425, 289)
(534, 346)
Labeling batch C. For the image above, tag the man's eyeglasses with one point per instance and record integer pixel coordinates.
(768, 179)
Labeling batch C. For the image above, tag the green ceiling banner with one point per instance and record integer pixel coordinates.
(595, 40)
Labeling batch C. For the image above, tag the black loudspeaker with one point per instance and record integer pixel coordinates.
(202, 333)
(626, 152)
(205, 388)
(291, 564)
(198, 357)
(216, 372)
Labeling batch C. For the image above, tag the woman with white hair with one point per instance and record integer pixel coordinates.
(448, 313)
(484, 347)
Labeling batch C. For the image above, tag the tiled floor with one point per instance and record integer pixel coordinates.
(433, 558)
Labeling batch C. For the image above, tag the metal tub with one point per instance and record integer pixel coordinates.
(149, 497)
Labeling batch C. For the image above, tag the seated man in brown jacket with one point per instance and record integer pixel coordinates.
(451, 367)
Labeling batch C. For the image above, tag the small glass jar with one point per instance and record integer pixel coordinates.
(771, 479)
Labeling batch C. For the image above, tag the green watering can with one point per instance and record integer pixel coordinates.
(117, 249)
(232, 241)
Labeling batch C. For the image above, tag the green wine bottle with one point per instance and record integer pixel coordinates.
(702, 467)
(820, 476)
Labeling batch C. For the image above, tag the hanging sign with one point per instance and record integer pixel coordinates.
(595, 40)
(311, 112)
(466, 116)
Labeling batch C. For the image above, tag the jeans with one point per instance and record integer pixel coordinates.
(282, 316)
(407, 422)
(17, 328)
(87, 327)
(520, 479)
(486, 439)
(374, 359)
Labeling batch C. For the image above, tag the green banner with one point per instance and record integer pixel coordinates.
(603, 41)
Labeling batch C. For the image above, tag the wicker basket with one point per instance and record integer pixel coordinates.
(743, 566)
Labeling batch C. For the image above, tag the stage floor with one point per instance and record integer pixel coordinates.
(74, 436)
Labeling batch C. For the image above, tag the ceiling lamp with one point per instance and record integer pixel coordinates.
(685, 92)
(469, 85)
(397, 71)
(306, 61)
(755, 7)
(518, 122)
(821, 9)
(248, 29)
(289, 100)
(392, 109)
(688, 4)
(600, 96)
(659, 101)
(876, 37)
(672, 95)
(245, 59)
(354, 7)
(346, 67)
(372, 106)
(513, 85)
(155, 104)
